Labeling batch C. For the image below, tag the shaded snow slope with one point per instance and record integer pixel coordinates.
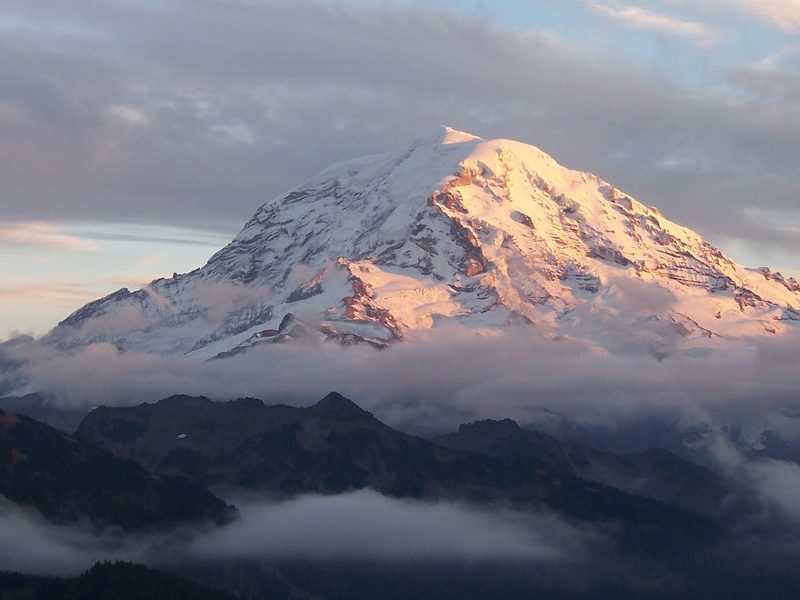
(453, 229)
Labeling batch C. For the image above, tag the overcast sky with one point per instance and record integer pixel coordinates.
(137, 137)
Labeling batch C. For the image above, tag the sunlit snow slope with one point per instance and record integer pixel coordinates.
(453, 229)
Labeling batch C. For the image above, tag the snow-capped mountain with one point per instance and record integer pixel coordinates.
(453, 229)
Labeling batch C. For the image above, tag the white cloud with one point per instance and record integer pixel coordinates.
(777, 482)
(361, 524)
(784, 14)
(47, 294)
(647, 20)
(129, 115)
(32, 545)
(775, 62)
(434, 385)
(42, 235)
(365, 524)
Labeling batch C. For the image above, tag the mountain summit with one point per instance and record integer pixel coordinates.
(452, 229)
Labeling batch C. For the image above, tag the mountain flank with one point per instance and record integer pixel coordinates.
(119, 581)
(656, 473)
(68, 480)
(37, 407)
(334, 446)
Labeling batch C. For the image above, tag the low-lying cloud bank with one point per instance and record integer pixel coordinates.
(365, 524)
(30, 544)
(359, 525)
(432, 386)
(436, 384)
(776, 483)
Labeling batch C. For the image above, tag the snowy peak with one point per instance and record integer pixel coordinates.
(452, 229)
(447, 135)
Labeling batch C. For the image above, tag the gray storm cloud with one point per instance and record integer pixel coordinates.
(199, 112)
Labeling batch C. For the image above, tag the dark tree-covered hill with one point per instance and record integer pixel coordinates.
(67, 480)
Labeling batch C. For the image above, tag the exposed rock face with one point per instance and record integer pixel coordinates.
(451, 229)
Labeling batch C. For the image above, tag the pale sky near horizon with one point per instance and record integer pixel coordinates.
(136, 138)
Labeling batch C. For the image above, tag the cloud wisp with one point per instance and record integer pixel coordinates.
(783, 14)
(358, 525)
(648, 20)
(42, 235)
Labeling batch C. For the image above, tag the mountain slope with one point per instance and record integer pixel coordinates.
(452, 229)
(335, 446)
(36, 407)
(656, 473)
(107, 580)
(68, 480)
(331, 447)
